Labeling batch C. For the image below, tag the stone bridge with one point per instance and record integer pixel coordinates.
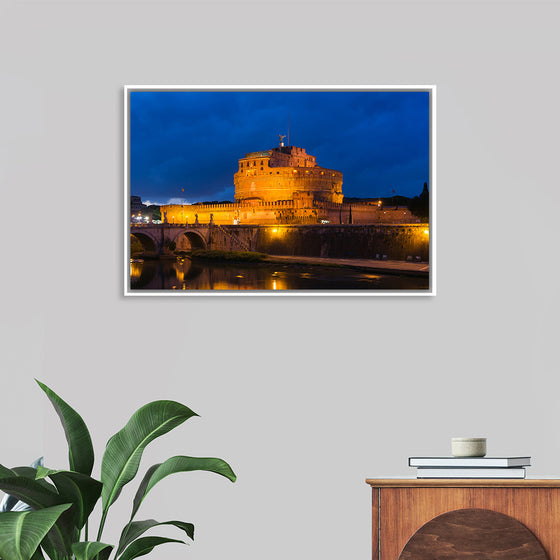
(161, 239)
(157, 239)
(392, 241)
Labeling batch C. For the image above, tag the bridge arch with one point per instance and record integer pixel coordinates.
(190, 241)
(147, 241)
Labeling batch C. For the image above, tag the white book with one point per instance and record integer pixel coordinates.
(469, 462)
(477, 472)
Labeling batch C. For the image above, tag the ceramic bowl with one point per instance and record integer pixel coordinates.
(468, 447)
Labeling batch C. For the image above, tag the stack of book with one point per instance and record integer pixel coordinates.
(470, 467)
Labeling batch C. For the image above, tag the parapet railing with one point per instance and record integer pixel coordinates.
(244, 206)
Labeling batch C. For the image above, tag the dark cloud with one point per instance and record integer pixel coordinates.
(192, 140)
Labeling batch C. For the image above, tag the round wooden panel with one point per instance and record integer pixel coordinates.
(469, 534)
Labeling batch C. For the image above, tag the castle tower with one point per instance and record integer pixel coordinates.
(280, 173)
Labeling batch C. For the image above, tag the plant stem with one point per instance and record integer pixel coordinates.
(101, 525)
(127, 527)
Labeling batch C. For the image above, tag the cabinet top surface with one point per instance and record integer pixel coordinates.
(463, 482)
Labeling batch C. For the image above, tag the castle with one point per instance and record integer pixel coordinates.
(284, 185)
(284, 173)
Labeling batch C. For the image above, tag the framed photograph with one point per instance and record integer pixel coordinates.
(279, 190)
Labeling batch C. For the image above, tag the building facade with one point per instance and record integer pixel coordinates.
(285, 185)
(281, 173)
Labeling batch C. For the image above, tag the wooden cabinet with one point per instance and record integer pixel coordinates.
(493, 518)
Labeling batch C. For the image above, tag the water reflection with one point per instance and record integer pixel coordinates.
(184, 274)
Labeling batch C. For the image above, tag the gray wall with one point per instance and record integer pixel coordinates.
(305, 397)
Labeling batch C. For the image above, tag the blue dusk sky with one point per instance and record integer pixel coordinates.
(192, 140)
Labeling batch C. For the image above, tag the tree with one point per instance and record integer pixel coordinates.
(155, 212)
(420, 205)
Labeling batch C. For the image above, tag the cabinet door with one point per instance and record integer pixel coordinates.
(464, 534)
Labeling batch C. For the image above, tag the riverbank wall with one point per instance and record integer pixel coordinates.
(394, 242)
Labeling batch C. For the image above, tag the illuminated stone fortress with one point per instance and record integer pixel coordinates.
(284, 173)
(284, 185)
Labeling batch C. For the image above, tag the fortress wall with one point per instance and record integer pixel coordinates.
(281, 183)
(335, 241)
(235, 238)
(226, 214)
(286, 212)
(221, 213)
(362, 214)
(366, 214)
(258, 215)
(350, 241)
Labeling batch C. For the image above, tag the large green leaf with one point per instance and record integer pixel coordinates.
(90, 549)
(124, 450)
(79, 489)
(58, 543)
(133, 530)
(11, 503)
(22, 532)
(175, 465)
(31, 473)
(142, 546)
(6, 472)
(38, 555)
(27, 472)
(29, 491)
(35, 494)
(80, 448)
(50, 550)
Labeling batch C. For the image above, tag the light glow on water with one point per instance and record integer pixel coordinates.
(185, 274)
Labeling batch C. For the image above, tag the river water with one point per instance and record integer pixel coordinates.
(184, 274)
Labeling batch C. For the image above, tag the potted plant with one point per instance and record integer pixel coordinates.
(62, 501)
